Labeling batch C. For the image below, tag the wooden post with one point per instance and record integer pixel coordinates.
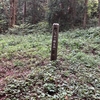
(54, 41)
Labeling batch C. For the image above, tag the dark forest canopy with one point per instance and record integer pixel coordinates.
(68, 13)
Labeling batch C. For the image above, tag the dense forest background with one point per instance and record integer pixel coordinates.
(69, 14)
(27, 71)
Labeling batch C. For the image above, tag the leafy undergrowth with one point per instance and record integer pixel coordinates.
(26, 72)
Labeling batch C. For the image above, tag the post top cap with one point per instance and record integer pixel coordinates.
(56, 24)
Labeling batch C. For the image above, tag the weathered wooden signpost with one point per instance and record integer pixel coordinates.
(54, 47)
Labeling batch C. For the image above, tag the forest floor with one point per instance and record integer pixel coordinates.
(26, 72)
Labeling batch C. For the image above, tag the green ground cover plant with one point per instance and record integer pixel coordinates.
(26, 72)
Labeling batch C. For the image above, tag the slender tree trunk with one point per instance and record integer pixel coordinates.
(85, 14)
(33, 13)
(99, 12)
(73, 12)
(24, 12)
(47, 1)
(12, 12)
(19, 2)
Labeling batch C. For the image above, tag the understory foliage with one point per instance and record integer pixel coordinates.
(34, 12)
(28, 73)
(31, 13)
(3, 20)
(70, 13)
(24, 29)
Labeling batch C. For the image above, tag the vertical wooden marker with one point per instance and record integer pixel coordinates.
(54, 47)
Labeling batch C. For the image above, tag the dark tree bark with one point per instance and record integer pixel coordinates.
(73, 12)
(13, 12)
(24, 12)
(33, 13)
(85, 14)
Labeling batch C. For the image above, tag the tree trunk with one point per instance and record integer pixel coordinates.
(85, 14)
(24, 12)
(73, 12)
(12, 12)
(33, 13)
(99, 12)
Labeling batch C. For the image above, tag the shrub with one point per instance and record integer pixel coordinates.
(25, 29)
